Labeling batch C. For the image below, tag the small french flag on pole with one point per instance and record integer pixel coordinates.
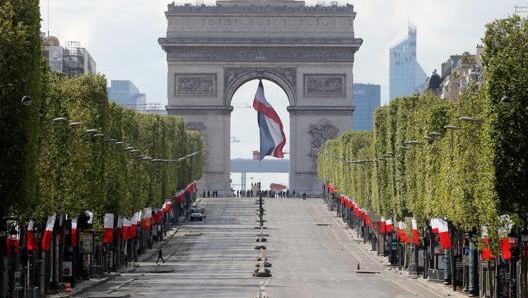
(30, 239)
(108, 235)
(48, 233)
(272, 138)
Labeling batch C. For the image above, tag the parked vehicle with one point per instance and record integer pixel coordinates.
(197, 214)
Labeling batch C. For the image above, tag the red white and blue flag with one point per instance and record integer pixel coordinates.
(48, 233)
(30, 239)
(108, 236)
(272, 138)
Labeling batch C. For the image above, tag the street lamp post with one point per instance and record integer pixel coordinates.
(3, 255)
(512, 240)
(524, 263)
(13, 234)
(37, 272)
(25, 100)
(428, 251)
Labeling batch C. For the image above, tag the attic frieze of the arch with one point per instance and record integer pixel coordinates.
(232, 74)
(260, 54)
(311, 24)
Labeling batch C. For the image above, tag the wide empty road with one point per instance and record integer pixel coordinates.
(312, 253)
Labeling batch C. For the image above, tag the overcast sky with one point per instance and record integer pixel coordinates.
(122, 35)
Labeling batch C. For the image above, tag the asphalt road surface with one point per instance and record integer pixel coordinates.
(312, 254)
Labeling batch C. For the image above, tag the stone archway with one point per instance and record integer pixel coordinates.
(236, 77)
(307, 50)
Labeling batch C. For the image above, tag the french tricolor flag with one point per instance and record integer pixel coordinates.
(383, 226)
(48, 233)
(74, 232)
(108, 235)
(388, 226)
(119, 231)
(486, 250)
(135, 220)
(272, 138)
(434, 225)
(416, 238)
(443, 231)
(127, 229)
(30, 239)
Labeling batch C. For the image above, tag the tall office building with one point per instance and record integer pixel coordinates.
(366, 99)
(77, 60)
(406, 75)
(72, 59)
(126, 94)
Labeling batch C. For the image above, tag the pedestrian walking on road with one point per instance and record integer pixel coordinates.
(160, 256)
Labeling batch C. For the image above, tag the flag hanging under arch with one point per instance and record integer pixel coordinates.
(272, 137)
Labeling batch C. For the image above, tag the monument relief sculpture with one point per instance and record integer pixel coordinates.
(324, 85)
(198, 126)
(195, 84)
(320, 133)
(231, 75)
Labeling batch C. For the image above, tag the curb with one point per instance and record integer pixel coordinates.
(101, 281)
(431, 285)
(154, 249)
(81, 289)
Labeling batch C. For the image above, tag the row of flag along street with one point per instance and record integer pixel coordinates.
(439, 226)
(125, 228)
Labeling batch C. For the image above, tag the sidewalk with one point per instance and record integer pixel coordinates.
(146, 261)
(142, 266)
(83, 285)
(439, 288)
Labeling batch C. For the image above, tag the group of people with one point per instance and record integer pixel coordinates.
(210, 194)
(265, 193)
(249, 193)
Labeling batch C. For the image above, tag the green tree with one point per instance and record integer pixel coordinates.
(20, 75)
(505, 57)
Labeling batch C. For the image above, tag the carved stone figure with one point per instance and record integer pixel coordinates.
(199, 126)
(289, 74)
(195, 84)
(324, 85)
(272, 54)
(321, 132)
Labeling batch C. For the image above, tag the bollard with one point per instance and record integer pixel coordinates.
(358, 267)
(261, 293)
(262, 271)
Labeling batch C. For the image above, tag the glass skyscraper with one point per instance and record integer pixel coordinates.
(366, 99)
(406, 75)
(126, 94)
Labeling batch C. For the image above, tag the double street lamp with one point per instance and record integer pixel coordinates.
(12, 242)
(514, 251)
(518, 242)
(25, 100)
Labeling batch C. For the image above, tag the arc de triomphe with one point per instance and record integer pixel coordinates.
(307, 50)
